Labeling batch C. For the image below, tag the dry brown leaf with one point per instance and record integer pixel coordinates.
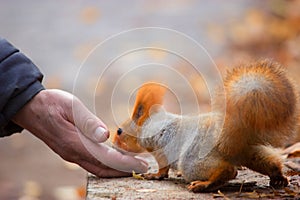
(295, 154)
(293, 151)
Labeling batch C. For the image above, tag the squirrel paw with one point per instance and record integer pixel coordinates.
(157, 176)
(198, 186)
(278, 181)
(160, 175)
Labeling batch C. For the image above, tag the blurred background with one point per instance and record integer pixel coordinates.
(59, 35)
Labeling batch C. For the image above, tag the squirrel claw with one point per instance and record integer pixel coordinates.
(279, 182)
(198, 186)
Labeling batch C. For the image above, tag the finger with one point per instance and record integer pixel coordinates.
(82, 118)
(103, 172)
(114, 159)
(121, 162)
(90, 125)
(93, 165)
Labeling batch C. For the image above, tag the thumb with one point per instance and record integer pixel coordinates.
(89, 124)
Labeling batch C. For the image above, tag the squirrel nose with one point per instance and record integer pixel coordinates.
(119, 131)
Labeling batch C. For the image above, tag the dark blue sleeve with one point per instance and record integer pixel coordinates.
(20, 81)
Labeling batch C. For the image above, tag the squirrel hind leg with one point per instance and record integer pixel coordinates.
(266, 160)
(278, 181)
(219, 177)
(200, 186)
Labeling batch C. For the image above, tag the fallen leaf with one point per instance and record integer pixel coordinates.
(146, 190)
(222, 195)
(137, 176)
(294, 153)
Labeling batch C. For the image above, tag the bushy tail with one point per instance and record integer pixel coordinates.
(261, 104)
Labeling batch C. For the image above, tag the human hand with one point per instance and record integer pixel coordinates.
(61, 120)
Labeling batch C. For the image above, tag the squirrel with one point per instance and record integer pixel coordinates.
(260, 116)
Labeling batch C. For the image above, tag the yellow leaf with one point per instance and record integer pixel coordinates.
(137, 176)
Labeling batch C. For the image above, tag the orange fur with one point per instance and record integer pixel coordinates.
(218, 176)
(263, 92)
(261, 113)
(149, 95)
(128, 140)
(260, 107)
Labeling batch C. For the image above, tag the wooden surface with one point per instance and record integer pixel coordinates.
(247, 185)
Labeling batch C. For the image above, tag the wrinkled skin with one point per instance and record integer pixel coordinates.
(49, 116)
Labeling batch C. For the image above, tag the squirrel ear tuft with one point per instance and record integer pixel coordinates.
(149, 95)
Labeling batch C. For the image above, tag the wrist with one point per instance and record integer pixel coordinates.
(30, 111)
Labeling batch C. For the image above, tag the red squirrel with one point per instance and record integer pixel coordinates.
(260, 116)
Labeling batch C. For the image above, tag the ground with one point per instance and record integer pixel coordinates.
(247, 185)
(58, 36)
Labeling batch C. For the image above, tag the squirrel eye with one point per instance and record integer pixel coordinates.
(119, 131)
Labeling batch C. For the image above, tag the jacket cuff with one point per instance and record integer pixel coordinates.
(14, 105)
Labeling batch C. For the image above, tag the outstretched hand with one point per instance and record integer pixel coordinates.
(61, 120)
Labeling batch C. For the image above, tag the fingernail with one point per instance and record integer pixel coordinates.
(101, 134)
